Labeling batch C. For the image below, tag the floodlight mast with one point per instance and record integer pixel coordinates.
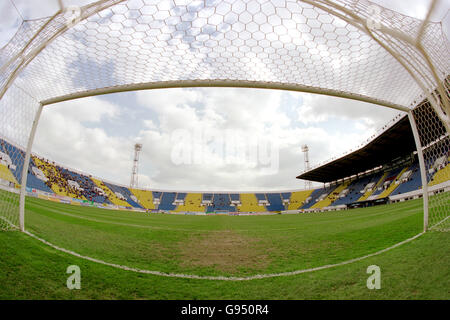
(134, 172)
(305, 150)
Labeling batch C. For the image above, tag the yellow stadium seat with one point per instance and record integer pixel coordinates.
(249, 203)
(192, 203)
(298, 198)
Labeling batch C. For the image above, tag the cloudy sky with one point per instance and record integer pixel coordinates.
(196, 141)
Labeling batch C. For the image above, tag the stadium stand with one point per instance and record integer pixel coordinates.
(7, 175)
(355, 188)
(316, 196)
(49, 177)
(36, 178)
(261, 197)
(393, 184)
(235, 197)
(145, 198)
(286, 197)
(410, 183)
(440, 175)
(124, 193)
(112, 197)
(157, 195)
(331, 197)
(394, 143)
(275, 202)
(441, 168)
(179, 199)
(365, 178)
(56, 180)
(11, 171)
(374, 183)
(167, 201)
(15, 156)
(180, 196)
(87, 187)
(383, 185)
(221, 202)
(385, 166)
(298, 198)
(207, 199)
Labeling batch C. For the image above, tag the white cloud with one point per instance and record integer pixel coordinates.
(417, 8)
(252, 113)
(86, 110)
(63, 136)
(10, 18)
(206, 111)
(317, 108)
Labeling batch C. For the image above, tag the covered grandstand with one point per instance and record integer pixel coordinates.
(385, 167)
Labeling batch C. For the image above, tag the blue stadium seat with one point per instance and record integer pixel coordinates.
(166, 201)
(276, 203)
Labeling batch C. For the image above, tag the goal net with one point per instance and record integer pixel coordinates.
(435, 143)
(344, 48)
(17, 111)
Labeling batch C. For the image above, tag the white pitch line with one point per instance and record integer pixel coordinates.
(223, 278)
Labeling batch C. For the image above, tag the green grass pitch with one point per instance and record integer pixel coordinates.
(224, 246)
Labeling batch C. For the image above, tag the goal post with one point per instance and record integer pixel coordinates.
(26, 168)
(17, 114)
(423, 174)
(433, 146)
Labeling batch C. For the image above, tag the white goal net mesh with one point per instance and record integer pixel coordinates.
(17, 111)
(346, 48)
(435, 142)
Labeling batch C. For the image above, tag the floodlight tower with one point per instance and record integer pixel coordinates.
(134, 172)
(305, 149)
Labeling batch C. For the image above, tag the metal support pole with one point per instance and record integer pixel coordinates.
(423, 172)
(134, 172)
(25, 167)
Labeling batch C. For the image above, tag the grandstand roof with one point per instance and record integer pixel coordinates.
(395, 142)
